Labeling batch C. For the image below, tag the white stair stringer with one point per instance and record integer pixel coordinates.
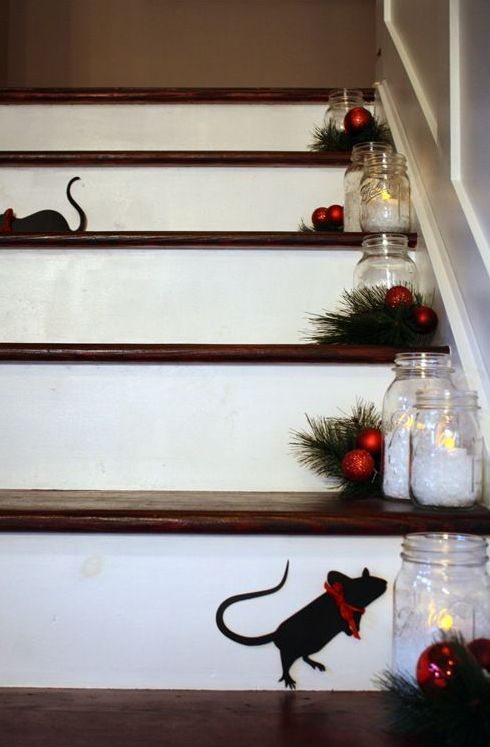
(168, 427)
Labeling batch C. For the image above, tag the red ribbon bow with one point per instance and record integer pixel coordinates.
(336, 591)
(8, 217)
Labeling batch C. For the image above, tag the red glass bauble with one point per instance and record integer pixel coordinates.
(336, 215)
(358, 465)
(320, 218)
(437, 668)
(480, 648)
(425, 319)
(357, 119)
(370, 439)
(398, 295)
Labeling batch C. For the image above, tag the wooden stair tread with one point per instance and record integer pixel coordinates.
(185, 718)
(169, 95)
(202, 353)
(190, 239)
(171, 158)
(226, 512)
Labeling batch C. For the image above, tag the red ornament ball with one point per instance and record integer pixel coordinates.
(336, 215)
(358, 465)
(398, 295)
(480, 648)
(357, 119)
(425, 319)
(437, 668)
(370, 439)
(320, 218)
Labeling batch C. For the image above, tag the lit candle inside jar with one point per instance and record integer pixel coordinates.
(383, 214)
(444, 475)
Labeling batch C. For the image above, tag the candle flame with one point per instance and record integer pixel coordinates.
(441, 619)
(448, 440)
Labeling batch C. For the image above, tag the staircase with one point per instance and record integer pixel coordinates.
(152, 370)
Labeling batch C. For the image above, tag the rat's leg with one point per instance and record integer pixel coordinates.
(314, 664)
(287, 662)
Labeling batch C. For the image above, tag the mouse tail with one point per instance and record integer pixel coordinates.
(247, 640)
(83, 218)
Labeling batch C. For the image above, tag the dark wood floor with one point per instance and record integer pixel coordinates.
(166, 718)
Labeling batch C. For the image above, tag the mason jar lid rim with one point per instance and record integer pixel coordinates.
(385, 239)
(346, 93)
(370, 147)
(436, 544)
(422, 357)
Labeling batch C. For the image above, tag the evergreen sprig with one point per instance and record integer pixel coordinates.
(458, 715)
(364, 319)
(329, 138)
(304, 228)
(323, 447)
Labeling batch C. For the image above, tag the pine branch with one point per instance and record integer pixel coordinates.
(304, 228)
(329, 138)
(323, 447)
(364, 319)
(459, 714)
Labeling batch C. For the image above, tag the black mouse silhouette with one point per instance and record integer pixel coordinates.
(43, 220)
(338, 610)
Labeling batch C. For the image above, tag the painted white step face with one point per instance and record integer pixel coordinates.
(168, 427)
(176, 199)
(139, 611)
(165, 296)
(160, 127)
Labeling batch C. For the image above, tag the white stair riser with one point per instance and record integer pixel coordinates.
(139, 611)
(163, 127)
(159, 295)
(169, 427)
(177, 198)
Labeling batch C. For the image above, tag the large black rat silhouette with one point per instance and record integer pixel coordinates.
(338, 610)
(43, 220)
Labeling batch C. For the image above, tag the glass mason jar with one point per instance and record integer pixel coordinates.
(385, 261)
(413, 372)
(442, 587)
(352, 181)
(446, 449)
(340, 102)
(385, 194)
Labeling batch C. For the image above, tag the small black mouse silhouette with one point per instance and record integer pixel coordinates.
(338, 610)
(43, 220)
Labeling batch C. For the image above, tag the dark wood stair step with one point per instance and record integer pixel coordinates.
(186, 718)
(169, 95)
(170, 158)
(237, 513)
(202, 353)
(190, 239)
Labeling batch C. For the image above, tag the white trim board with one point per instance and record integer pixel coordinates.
(410, 69)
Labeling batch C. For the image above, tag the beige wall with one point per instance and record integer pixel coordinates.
(190, 43)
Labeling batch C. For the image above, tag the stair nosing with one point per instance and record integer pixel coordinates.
(201, 353)
(190, 95)
(189, 239)
(174, 158)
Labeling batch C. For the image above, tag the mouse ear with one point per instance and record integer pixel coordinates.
(335, 576)
(365, 573)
